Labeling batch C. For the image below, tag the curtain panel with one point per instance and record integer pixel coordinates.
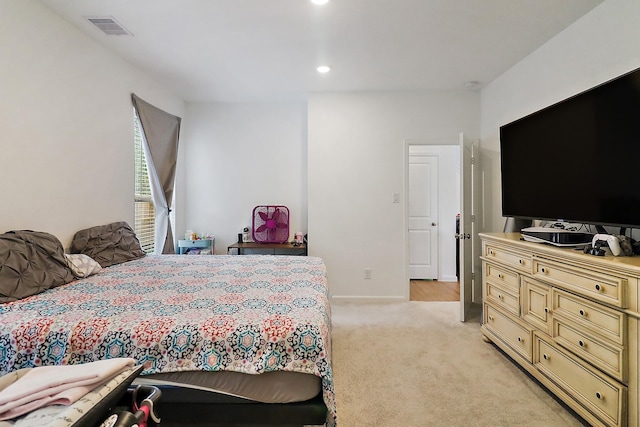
(160, 135)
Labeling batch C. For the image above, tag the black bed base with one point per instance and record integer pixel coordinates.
(198, 408)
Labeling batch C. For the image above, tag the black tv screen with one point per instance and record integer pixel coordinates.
(577, 160)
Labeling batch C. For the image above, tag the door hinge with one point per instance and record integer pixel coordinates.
(473, 218)
(473, 276)
(473, 160)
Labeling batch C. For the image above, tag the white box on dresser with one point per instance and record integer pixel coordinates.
(570, 319)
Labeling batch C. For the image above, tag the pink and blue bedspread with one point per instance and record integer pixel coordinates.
(249, 314)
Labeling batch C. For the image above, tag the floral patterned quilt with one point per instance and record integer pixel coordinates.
(250, 314)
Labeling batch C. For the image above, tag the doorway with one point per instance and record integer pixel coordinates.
(434, 291)
(433, 187)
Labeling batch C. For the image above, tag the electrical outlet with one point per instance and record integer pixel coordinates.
(367, 273)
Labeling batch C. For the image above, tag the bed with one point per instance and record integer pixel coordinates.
(210, 332)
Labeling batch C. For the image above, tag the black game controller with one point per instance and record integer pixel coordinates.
(596, 249)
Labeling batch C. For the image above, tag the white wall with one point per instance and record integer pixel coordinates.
(602, 45)
(356, 161)
(66, 144)
(238, 156)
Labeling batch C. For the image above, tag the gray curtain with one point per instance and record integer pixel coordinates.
(160, 134)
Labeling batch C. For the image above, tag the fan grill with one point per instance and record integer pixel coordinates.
(270, 224)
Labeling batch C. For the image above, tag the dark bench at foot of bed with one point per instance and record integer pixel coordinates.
(198, 408)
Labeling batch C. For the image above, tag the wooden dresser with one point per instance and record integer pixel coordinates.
(568, 318)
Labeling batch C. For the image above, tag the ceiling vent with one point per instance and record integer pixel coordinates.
(109, 26)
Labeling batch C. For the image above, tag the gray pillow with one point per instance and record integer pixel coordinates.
(108, 244)
(30, 262)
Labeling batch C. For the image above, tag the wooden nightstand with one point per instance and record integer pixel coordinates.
(253, 248)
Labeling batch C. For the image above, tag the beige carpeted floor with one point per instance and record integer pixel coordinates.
(412, 364)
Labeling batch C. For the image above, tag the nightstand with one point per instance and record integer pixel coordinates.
(253, 248)
(202, 246)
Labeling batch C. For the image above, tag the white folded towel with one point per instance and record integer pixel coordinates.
(59, 385)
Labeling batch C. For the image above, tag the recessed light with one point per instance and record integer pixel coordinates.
(323, 69)
(319, 2)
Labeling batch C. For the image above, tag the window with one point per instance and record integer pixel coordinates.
(145, 213)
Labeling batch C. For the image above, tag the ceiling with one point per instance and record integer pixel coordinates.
(268, 50)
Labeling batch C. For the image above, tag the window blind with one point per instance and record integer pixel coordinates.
(145, 214)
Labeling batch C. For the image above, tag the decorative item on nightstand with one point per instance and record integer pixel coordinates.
(271, 224)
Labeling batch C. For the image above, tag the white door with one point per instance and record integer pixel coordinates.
(465, 235)
(423, 216)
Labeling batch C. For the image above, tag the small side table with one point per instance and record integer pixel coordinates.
(252, 248)
(204, 245)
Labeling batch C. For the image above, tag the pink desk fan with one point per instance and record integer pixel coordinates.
(270, 224)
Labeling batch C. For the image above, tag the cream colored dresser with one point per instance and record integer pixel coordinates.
(569, 319)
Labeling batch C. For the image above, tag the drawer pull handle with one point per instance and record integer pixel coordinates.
(544, 270)
(598, 287)
(582, 312)
(500, 296)
(546, 357)
(520, 261)
(520, 339)
(546, 309)
(491, 253)
(490, 317)
(599, 395)
(499, 276)
(582, 343)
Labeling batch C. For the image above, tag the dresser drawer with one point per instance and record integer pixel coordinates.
(600, 320)
(599, 286)
(502, 277)
(513, 334)
(603, 397)
(511, 259)
(503, 298)
(605, 356)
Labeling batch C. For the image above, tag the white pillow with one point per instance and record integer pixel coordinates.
(82, 265)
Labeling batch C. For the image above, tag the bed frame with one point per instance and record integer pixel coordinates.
(198, 408)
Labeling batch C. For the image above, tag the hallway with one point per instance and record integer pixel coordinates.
(433, 290)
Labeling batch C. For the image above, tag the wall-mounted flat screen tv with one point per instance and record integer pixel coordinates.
(577, 160)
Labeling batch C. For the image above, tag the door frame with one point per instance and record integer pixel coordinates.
(436, 142)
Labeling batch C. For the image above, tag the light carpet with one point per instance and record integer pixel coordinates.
(412, 364)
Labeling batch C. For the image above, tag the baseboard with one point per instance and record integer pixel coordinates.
(351, 298)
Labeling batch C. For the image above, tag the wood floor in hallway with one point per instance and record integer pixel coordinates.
(433, 290)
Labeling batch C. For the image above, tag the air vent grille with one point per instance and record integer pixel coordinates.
(109, 26)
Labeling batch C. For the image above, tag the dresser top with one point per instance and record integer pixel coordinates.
(627, 264)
